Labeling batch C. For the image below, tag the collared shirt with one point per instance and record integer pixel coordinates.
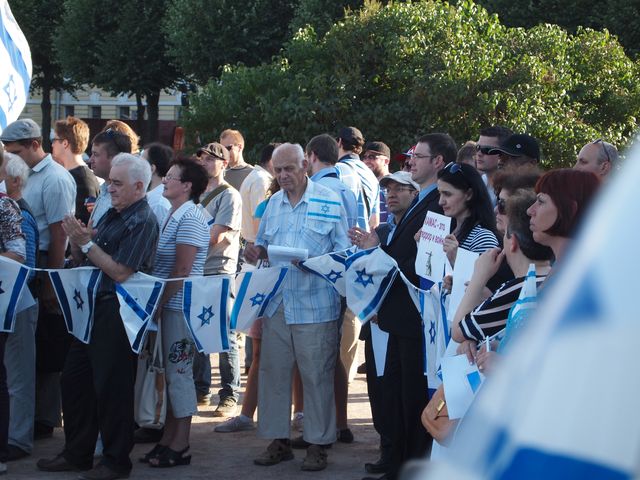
(185, 226)
(158, 203)
(102, 205)
(363, 183)
(329, 177)
(307, 298)
(51, 194)
(130, 237)
(253, 191)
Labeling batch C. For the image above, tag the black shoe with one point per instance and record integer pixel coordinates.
(300, 443)
(147, 435)
(15, 453)
(381, 466)
(57, 464)
(102, 472)
(345, 435)
(40, 431)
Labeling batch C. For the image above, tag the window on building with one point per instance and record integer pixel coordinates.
(124, 113)
(69, 110)
(96, 112)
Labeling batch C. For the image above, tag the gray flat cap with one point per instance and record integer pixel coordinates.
(21, 130)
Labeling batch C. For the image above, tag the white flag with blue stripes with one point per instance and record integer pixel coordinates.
(13, 279)
(138, 297)
(325, 209)
(255, 289)
(205, 306)
(331, 267)
(522, 309)
(370, 274)
(563, 402)
(15, 67)
(76, 290)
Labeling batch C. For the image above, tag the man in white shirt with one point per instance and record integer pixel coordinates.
(159, 157)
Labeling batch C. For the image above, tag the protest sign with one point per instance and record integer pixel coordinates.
(431, 259)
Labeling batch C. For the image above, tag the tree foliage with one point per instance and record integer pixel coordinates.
(404, 69)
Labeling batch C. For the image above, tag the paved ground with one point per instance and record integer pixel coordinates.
(230, 456)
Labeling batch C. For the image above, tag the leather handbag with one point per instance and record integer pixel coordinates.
(150, 402)
(435, 418)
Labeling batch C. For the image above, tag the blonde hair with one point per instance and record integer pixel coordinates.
(234, 134)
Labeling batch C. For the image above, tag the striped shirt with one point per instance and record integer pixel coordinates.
(490, 317)
(185, 226)
(307, 298)
(363, 183)
(129, 237)
(479, 240)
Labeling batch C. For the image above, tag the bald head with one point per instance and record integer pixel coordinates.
(597, 157)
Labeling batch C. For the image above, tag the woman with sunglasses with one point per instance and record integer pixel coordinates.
(464, 198)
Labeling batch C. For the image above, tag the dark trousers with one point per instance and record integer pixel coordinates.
(4, 404)
(97, 392)
(406, 384)
(377, 398)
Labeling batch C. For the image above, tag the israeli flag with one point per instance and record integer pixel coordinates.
(205, 308)
(76, 290)
(15, 74)
(325, 209)
(331, 267)
(563, 403)
(522, 309)
(256, 288)
(370, 274)
(138, 297)
(13, 278)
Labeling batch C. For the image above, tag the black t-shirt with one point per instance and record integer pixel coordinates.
(87, 186)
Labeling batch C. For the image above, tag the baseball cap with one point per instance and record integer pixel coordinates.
(21, 130)
(215, 150)
(518, 145)
(378, 147)
(351, 135)
(399, 177)
(401, 157)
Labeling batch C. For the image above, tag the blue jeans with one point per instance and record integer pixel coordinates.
(229, 366)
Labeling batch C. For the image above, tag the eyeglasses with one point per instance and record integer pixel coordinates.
(485, 149)
(604, 149)
(56, 139)
(171, 177)
(420, 157)
(501, 206)
(371, 156)
(398, 189)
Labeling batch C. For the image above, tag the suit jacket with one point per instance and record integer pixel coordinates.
(398, 315)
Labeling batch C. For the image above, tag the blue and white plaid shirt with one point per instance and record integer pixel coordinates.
(307, 297)
(362, 182)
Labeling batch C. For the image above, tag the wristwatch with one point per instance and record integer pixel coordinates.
(86, 247)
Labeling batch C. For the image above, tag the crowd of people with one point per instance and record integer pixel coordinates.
(172, 215)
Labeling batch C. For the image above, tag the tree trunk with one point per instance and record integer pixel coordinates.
(140, 123)
(45, 107)
(152, 109)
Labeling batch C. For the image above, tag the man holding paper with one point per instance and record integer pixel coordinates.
(302, 324)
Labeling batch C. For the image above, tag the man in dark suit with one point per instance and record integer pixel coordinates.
(404, 378)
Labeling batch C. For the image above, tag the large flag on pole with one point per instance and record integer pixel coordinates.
(15, 67)
(331, 267)
(255, 289)
(205, 307)
(370, 274)
(76, 291)
(138, 297)
(13, 278)
(563, 403)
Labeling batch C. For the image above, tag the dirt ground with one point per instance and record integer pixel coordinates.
(230, 455)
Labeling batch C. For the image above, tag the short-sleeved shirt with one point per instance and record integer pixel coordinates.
(11, 236)
(225, 209)
(185, 226)
(479, 240)
(130, 237)
(253, 191)
(87, 187)
(158, 203)
(307, 298)
(51, 194)
(329, 177)
(364, 185)
(235, 176)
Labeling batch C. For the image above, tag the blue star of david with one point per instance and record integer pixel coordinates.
(10, 90)
(333, 276)
(324, 208)
(1, 290)
(361, 274)
(257, 299)
(77, 296)
(206, 315)
(432, 333)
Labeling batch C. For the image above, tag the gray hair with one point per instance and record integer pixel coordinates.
(138, 168)
(16, 168)
(607, 153)
(290, 150)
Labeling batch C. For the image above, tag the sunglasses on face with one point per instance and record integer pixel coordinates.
(484, 149)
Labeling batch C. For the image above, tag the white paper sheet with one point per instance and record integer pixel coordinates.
(461, 382)
(379, 341)
(282, 256)
(465, 261)
(431, 259)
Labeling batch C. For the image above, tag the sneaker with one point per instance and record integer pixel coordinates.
(235, 424)
(204, 399)
(226, 407)
(298, 421)
(315, 460)
(277, 451)
(300, 443)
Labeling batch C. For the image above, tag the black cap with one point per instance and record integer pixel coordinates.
(518, 145)
(351, 135)
(378, 147)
